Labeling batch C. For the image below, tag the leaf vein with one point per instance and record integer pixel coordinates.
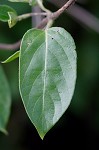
(63, 51)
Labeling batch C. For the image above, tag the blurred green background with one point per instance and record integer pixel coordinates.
(79, 126)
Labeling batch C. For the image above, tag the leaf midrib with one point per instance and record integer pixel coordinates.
(45, 68)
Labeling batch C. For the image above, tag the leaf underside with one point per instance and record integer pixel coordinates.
(5, 101)
(47, 73)
(12, 57)
(12, 19)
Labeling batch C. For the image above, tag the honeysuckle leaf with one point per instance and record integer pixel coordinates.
(4, 9)
(12, 57)
(5, 101)
(47, 75)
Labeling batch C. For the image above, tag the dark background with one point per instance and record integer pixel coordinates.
(78, 128)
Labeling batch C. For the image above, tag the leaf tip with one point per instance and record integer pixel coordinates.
(42, 136)
(3, 62)
(4, 131)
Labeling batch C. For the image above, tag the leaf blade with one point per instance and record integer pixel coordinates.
(49, 68)
(5, 101)
(4, 9)
(12, 57)
(12, 19)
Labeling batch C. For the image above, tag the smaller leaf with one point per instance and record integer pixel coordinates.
(12, 19)
(5, 101)
(12, 57)
(4, 9)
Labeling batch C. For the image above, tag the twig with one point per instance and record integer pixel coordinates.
(36, 19)
(82, 16)
(43, 23)
(24, 16)
(10, 46)
(56, 14)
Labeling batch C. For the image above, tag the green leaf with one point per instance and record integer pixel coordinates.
(5, 101)
(12, 19)
(12, 57)
(31, 2)
(47, 74)
(4, 9)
